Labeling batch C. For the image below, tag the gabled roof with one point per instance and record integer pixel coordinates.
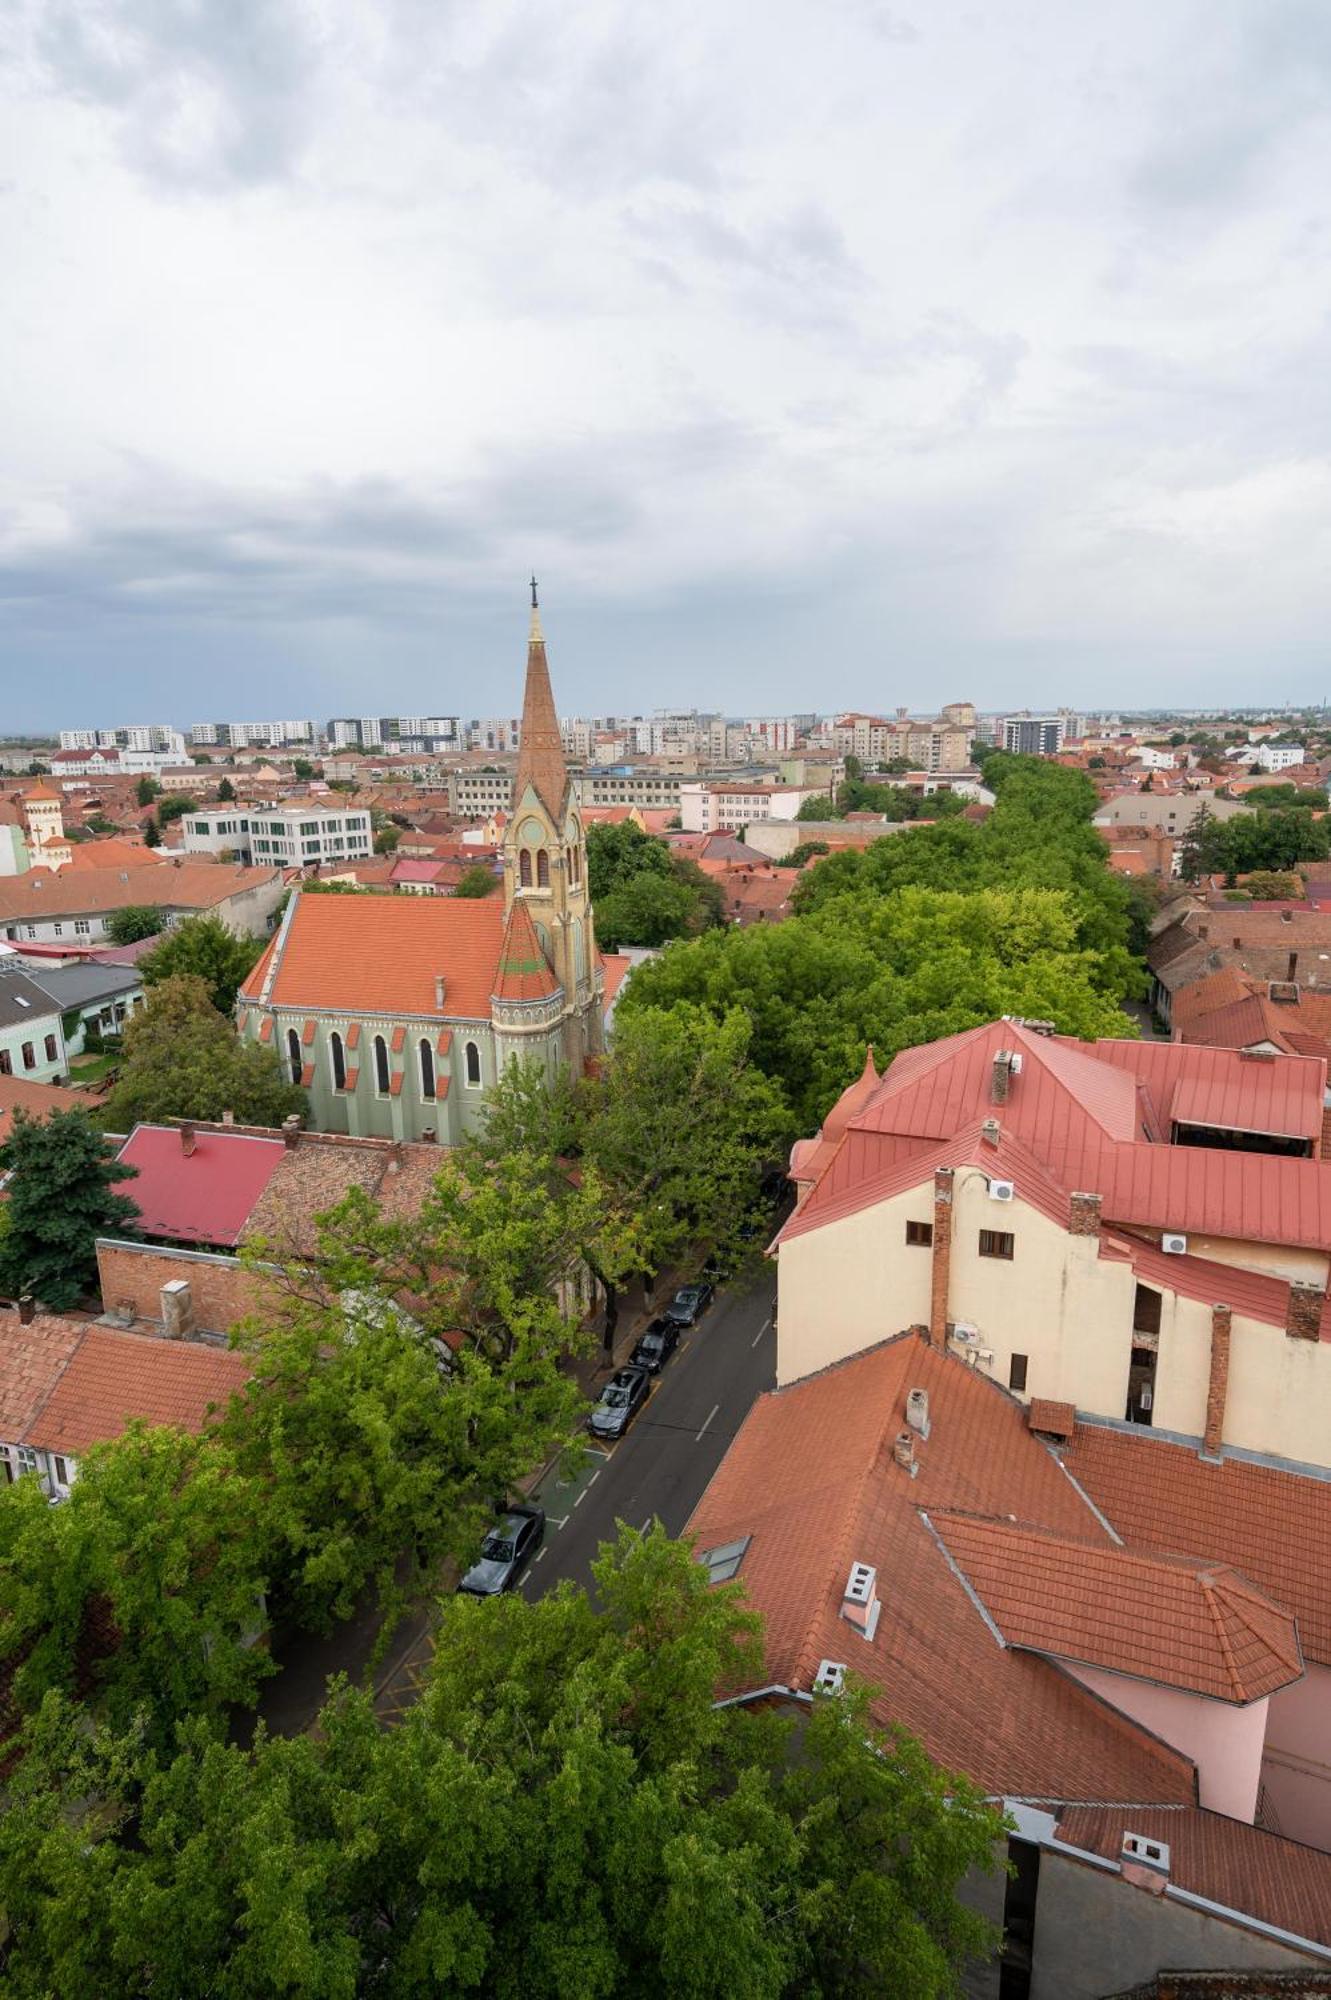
(811, 1479)
(32, 1358)
(523, 971)
(36, 1100)
(114, 1377)
(1062, 1090)
(205, 1196)
(1200, 1627)
(193, 885)
(383, 955)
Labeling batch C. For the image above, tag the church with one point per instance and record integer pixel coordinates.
(397, 1013)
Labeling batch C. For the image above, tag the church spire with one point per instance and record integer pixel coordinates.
(541, 751)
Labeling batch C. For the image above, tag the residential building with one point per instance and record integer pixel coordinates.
(1231, 1009)
(242, 735)
(73, 906)
(113, 763)
(713, 805)
(306, 834)
(1126, 1647)
(1287, 947)
(1034, 735)
(1169, 813)
(476, 794)
(32, 1041)
(396, 1013)
(156, 737)
(35, 1100)
(1140, 1229)
(1271, 756)
(90, 997)
(498, 733)
(414, 733)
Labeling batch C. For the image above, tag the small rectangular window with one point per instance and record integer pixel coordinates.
(52, 1051)
(996, 1243)
(920, 1233)
(83, 926)
(29, 1056)
(1016, 1374)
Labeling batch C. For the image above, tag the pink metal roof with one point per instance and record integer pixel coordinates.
(1250, 1293)
(206, 1196)
(1225, 1087)
(1062, 1091)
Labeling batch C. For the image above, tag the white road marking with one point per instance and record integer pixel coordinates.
(582, 1496)
(555, 1521)
(715, 1407)
(645, 1526)
(540, 1553)
(591, 1482)
(761, 1331)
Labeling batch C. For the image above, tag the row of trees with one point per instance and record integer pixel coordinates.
(644, 895)
(855, 793)
(923, 934)
(1275, 839)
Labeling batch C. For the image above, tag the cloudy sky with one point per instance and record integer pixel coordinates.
(814, 353)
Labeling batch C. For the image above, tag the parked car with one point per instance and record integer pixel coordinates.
(655, 1346)
(505, 1552)
(689, 1304)
(621, 1399)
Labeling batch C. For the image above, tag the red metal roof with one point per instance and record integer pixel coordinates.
(206, 1196)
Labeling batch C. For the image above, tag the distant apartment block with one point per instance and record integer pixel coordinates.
(406, 733)
(158, 737)
(723, 807)
(477, 794)
(1034, 735)
(1271, 756)
(241, 735)
(939, 745)
(299, 836)
(500, 734)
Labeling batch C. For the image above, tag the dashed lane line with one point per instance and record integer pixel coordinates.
(761, 1331)
(706, 1421)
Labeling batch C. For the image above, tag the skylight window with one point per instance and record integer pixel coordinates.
(723, 1563)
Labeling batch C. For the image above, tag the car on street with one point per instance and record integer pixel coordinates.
(621, 1399)
(655, 1346)
(689, 1304)
(505, 1552)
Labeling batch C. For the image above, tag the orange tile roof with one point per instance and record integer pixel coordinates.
(811, 1478)
(1273, 1524)
(37, 1100)
(1241, 1867)
(31, 1360)
(1199, 1627)
(114, 1377)
(382, 955)
(523, 971)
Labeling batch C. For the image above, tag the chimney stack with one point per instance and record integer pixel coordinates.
(177, 1309)
(1000, 1077)
(187, 1138)
(903, 1451)
(940, 1268)
(859, 1601)
(1084, 1214)
(440, 988)
(1218, 1386)
(917, 1411)
(291, 1132)
(991, 1131)
(228, 1117)
(27, 1308)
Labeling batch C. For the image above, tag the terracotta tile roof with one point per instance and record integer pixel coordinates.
(114, 1377)
(36, 1100)
(811, 1478)
(113, 853)
(382, 955)
(1273, 1525)
(541, 752)
(195, 885)
(523, 971)
(1056, 1419)
(1241, 1867)
(32, 1358)
(615, 969)
(206, 1196)
(1199, 1627)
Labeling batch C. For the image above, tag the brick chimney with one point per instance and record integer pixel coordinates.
(178, 1320)
(942, 1257)
(1203, 932)
(1303, 1314)
(1084, 1215)
(1000, 1078)
(1217, 1387)
(27, 1308)
(440, 989)
(187, 1139)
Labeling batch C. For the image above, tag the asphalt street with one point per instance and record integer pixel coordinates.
(660, 1468)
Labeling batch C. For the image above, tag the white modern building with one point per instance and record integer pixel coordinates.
(287, 836)
(240, 735)
(719, 807)
(394, 732)
(160, 737)
(1034, 735)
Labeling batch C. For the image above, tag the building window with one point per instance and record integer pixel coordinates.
(52, 1049)
(920, 1233)
(427, 1068)
(543, 870)
(524, 870)
(32, 930)
(6, 1063)
(337, 1058)
(294, 1059)
(58, 930)
(60, 1467)
(1016, 1374)
(381, 1065)
(472, 1059)
(996, 1243)
(29, 1056)
(81, 925)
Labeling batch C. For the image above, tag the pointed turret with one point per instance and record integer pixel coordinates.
(541, 752)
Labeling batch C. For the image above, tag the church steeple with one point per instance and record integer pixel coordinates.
(541, 751)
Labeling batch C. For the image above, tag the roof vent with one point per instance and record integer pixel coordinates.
(1175, 1245)
(1145, 1852)
(917, 1411)
(859, 1602)
(830, 1677)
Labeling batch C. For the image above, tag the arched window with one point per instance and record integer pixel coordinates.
(293, 1054)
(543, 870)
(427, 1068)
(524, 869)
(338, 1060)
(381, 1065)
(472, 1058)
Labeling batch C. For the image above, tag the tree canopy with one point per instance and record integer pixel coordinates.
(477, 881)
(642, 894)
(1273, 840)
(61, 1197)
(182, 1059)
(565, 1814)
(135, 921)
(204, 948)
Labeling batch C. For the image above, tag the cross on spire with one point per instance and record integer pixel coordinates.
(533, 592)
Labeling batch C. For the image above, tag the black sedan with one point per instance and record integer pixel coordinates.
(655, 1346)
(505, 1552)
(689, 1304)
(621, 1399)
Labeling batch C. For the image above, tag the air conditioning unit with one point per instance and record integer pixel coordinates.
(830, 1677)
(965, 1335)
(1002, 1191)
(1177, 1246)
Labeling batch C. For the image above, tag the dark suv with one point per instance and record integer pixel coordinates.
(689, 1304)
(655, 1346)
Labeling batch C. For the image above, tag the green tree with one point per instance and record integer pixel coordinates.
(618, 854)
(135, 921)
(146, 790)
(808, 850)
(386, 839)
(183, 1060)
(61, 1196)
(566, 1814)
(175, 807)
(644, 895)
(821, 807)
(152, 836)
(477, 882)
(226, 790)
(303, 768)
(203, 948)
